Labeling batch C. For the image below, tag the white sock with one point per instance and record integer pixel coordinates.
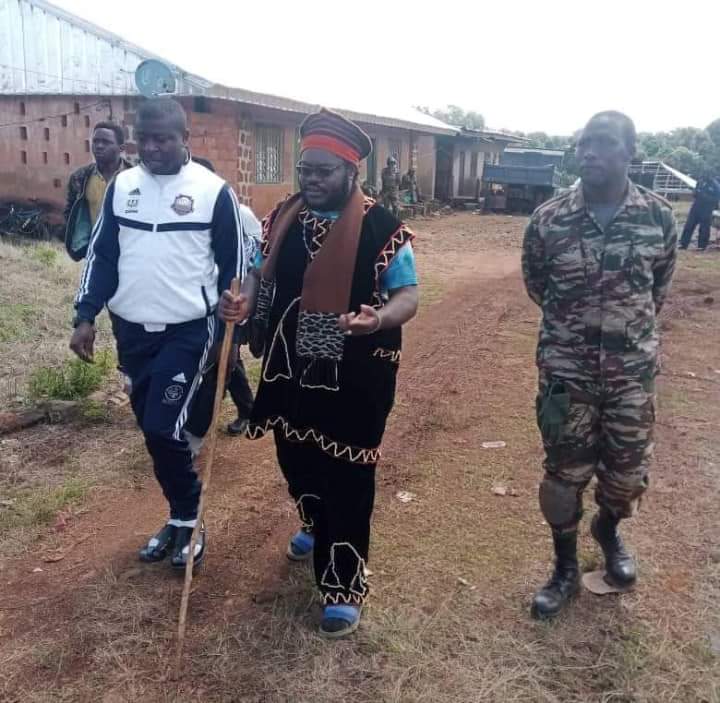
(181, 523)
(186, 550)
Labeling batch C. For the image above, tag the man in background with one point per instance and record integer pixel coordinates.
(237, 382)
(86, 187)
(707, 195)
(410, 184)
(391, 186)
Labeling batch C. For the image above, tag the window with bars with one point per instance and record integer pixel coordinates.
(268, 154)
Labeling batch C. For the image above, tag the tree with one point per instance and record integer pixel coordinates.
(686, 160)
(455, 115)
(688, 149)
(540, 140)
(694, 139)
(713, 129)
(654, 146)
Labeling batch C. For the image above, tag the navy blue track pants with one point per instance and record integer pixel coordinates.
(165, 369)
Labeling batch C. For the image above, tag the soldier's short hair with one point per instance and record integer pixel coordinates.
(627, 126)
(163, 109)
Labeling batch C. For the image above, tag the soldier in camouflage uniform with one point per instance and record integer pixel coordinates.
(598, 260)
(391, 186)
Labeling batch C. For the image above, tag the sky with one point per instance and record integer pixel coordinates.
(530, 65)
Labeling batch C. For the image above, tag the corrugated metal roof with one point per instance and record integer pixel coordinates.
(405, 119)
(491, 134)
(661, 178)
(687, 180)
(532, 150)
(47, 50)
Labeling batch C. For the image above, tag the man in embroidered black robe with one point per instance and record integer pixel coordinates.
(335, 282)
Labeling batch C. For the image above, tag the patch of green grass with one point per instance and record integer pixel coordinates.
(632, 652)
(31, 508)
(15, 321)
(252, 370)
(95, 413)
(74, 380)
(589, 561)
(44, 254)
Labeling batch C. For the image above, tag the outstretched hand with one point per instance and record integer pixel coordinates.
(366, 321)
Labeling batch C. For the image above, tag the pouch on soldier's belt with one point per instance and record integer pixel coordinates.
(553, 411)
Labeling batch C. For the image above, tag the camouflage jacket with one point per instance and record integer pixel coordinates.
(599, 291)
(390, 178)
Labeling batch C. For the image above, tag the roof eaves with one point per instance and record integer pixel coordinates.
(276, 102)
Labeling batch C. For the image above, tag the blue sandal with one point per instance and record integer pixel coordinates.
(340, 621)
(301, 546)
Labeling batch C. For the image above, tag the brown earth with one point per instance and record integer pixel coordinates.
(454, 569)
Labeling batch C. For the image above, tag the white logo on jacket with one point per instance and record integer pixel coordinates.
(183, 205)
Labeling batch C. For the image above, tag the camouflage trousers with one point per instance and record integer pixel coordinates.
(603, 429)
(391, 201)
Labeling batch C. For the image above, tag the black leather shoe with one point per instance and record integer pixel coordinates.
(620, 565)
(564, 584)
(181, 549)
(160, 545)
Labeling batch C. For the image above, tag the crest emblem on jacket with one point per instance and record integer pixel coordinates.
(183, 205)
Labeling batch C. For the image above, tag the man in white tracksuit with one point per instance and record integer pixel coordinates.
(168, 241)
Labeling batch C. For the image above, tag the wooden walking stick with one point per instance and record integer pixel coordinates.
(207, 473)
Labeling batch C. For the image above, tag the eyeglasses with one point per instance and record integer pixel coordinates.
(322, 172)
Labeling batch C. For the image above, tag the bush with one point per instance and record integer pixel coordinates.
(95, 413)
(35, 508)
(74, 380)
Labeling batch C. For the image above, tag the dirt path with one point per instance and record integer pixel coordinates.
(454, 569)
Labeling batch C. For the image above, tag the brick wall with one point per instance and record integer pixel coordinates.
(36, 163)
(38, 156)
(214, 136)
(42, 144)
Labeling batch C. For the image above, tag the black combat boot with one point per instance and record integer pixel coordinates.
(620, 565)
(565, 581)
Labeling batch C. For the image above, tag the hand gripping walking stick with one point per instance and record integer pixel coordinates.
(207, 473)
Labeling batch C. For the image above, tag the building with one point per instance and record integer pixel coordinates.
(59, 75)
(461, 160)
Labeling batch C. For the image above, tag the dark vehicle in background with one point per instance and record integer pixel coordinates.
(524, 178)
